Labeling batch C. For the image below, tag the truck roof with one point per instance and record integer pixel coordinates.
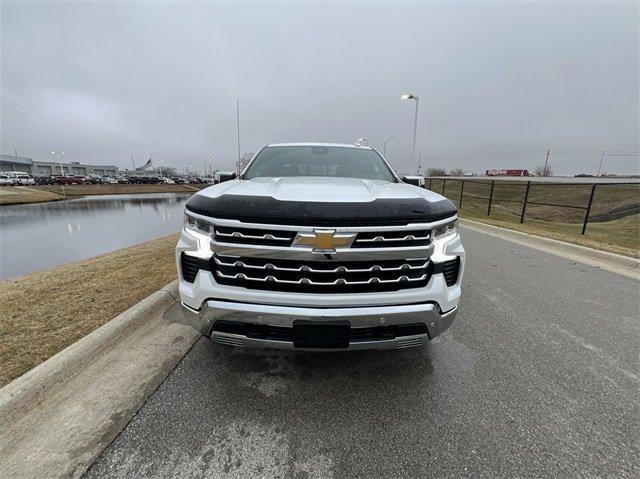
(340, 145)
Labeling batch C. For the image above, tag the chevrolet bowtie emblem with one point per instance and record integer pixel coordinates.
(324, 241)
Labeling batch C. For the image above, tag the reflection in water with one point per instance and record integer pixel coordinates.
(38, 236)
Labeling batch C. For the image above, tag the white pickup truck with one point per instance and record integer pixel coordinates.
(319, 247)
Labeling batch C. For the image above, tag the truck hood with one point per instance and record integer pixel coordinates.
(320, 201)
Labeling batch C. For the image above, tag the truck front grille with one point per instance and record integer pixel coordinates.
(321, 276)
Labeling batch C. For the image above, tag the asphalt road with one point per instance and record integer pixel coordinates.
(537, 377)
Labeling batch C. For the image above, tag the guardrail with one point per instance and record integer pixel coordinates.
(570, 203)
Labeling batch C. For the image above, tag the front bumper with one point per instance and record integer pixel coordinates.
(428, 314)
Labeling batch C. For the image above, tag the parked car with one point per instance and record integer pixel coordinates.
(19, 177)
(122, 180)
(69, 180)
(44, 180)
(320, 247)
(143, 180)
(94, 179)
(109, 180)
(6, 180)
(180, 181)
(167, 181)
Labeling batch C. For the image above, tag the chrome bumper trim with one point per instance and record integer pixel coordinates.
(427, 313)
(397, 343)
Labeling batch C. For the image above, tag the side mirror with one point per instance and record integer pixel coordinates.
(414, 180)
(226, 176)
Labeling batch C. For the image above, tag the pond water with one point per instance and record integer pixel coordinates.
(39, 236)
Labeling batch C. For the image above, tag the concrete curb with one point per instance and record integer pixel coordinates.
(26, 392)
(615, 263)
(57, 419)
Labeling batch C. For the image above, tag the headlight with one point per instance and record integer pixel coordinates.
(445, 229)
(197, 225)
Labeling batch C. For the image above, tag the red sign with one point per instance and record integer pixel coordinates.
(507, 173)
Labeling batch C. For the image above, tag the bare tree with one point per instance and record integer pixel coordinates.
(244, 161)
(168, 171)
(541, 171)
(436, 172)
(457, 172)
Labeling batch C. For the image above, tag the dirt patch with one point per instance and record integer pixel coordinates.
(44, 312)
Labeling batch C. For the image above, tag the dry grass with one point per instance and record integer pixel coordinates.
(42, 313)
(614, 220)
(618, 236)
(86, 190)
(12, 195)
(38, 194)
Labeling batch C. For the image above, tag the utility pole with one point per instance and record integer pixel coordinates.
(546, 162)
(133, 165)
(420, 164)
(600, 166)
(238, 128)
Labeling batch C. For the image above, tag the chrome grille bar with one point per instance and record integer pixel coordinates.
(308, 269)
(382, 239)
(238, 234)
(304, 254)
(340, 281)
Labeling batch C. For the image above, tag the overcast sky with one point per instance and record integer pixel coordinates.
(498, 83)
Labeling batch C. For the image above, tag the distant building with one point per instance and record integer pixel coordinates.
(33, 167)
(504, 172)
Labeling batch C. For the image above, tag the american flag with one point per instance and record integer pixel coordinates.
(146, 167)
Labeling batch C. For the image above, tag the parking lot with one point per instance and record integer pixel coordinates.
(538, 376)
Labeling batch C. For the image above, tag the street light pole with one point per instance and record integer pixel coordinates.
(409, 96)
(59, 154)
(207, 165)
(384, 147)
(601, 160)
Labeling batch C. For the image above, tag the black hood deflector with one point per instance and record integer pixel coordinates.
(265, 209)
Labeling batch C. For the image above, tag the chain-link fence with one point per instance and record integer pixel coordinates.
(603, 212)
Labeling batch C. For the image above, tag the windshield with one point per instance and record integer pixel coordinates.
(333, 161)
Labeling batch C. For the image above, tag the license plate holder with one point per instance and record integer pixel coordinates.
(321, 334)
